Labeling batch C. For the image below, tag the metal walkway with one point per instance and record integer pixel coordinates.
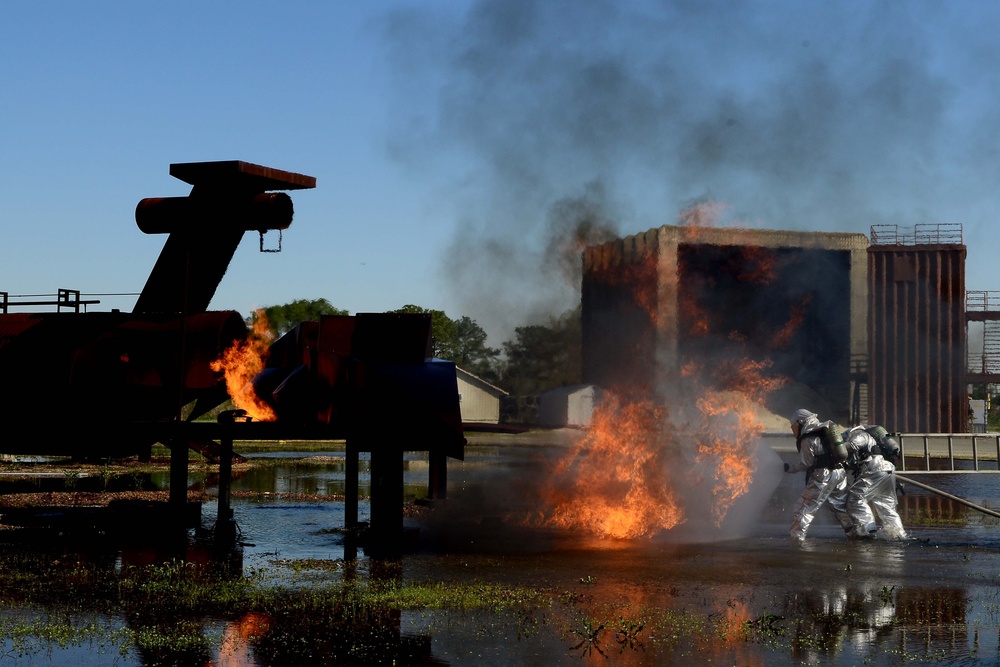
(949, 452)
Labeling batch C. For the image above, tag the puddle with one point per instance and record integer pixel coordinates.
(754, 599)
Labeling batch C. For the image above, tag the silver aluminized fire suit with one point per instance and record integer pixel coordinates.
(874, 483)
(826, 481)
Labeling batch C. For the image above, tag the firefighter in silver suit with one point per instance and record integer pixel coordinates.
(826, 479)
(871, 452)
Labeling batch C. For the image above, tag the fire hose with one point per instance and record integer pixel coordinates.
(962, 501)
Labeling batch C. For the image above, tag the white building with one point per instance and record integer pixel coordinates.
(569, 406)
(478, 400)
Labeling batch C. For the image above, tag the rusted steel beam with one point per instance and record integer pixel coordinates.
(982, 378)
(982, 315)
(229, 174)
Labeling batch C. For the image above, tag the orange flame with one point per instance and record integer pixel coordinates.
(638, 473)
(613, 482)
(636, 280)
(644, 467)
(241, 362)
(729, 448)
(235, 649)
(732, 428)
(784, 336)
(756, 265)
(692, 317)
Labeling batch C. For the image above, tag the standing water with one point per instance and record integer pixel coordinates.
(488, 583)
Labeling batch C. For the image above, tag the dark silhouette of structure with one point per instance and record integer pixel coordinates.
(97, 385)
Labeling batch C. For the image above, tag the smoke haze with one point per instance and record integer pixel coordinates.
(817, 116)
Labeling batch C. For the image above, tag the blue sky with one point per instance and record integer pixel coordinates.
(456, 144)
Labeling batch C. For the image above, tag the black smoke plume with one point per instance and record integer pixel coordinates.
(804, 116)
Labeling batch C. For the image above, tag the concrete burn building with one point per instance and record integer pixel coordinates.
(861, 330)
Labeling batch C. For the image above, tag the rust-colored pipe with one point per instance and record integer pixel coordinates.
(265, 211)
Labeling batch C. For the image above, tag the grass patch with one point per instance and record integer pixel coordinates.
(163, 609)
(929, 521)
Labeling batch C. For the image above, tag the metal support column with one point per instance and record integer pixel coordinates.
(385, 530)
(351, 485)
(437, 483)
(178, 473)
(225, 524)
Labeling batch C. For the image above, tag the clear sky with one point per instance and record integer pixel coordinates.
(457, 145)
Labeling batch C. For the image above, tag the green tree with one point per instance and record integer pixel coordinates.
(469, 350)
(284, 317)
(544, 356)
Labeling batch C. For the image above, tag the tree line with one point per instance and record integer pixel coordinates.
(538, 358)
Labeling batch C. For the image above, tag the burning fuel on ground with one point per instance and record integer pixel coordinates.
(644, 468)
(682, 452)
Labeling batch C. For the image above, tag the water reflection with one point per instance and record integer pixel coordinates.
(907, 623)
(312, 474)
(755, 600)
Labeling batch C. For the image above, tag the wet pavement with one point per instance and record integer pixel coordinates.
(742, 594)
(934, 599)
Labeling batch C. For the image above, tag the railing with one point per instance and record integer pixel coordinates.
(982, 301)
(947, 448)
(940, 233)
(986, 359)
(65, 298)
(991, 347)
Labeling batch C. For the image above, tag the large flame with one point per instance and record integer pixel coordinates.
(614, 482)
(649, 464)
(729, 448)
(639, 471)
(241, 363)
